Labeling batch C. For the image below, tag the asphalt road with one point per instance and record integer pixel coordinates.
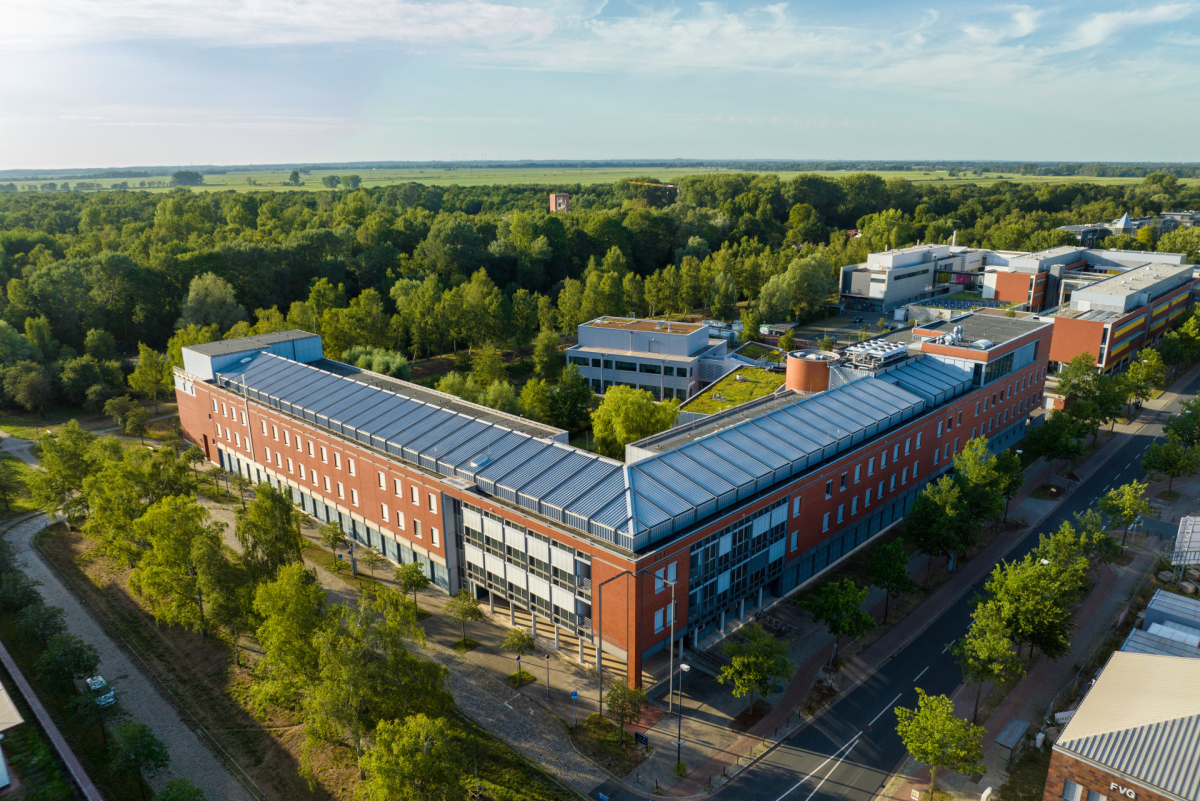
(849, 752)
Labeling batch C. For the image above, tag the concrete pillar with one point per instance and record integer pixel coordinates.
(760, 593)
(722, 626)
(556, 638)
(696, 640)
(512, 613)
(581, 649)
(491, 602)
(742, 610)
(533, 617)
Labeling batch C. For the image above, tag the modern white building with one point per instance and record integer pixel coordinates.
(662, 357)
(894, 278)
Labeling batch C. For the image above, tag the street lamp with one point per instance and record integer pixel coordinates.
(684, 667)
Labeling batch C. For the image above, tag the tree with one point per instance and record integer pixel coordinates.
(887, 569)
(571, 401)
(241, 485)
(724, 297)
(67, 458)
(29, 385)
(269, 531)
(1034, 601)
(462, 608)
(1144, 374)
(373, 559)
(138, 753)
(186, 178)
(211, 301)
(117, 408)
(938, 522)
(838, 604)
(1185, 426)
(86, 712)
(66, 659)
(625, 705)
(535, 401)
(100, 345)
(40, 622)
(978, 482)
(519, 642)
(1125, 504)
(826, 343)
(626, 415)
(412, 578)
(1172, 460)
(152, 377)
(412, 760)
(351, 181)
(333, 536)
(1011, 477)
(331, 181)
(184, 572)
(294, 178)
(985, 652)
(545, 354)
(292, 609)
(179, 790)
(787, 342)
(756, 665)
(11, 482)
(939, 740)
(18, 591)
(1057, 438)
(137, 423)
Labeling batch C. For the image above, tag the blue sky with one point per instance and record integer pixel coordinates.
(124, 82)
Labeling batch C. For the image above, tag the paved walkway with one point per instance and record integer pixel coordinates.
(190, 758)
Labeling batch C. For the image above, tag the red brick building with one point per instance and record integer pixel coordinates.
(1134, 736)
(737, 510)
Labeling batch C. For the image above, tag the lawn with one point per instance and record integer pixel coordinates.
(599, 739)
(756, 351)
(755, 383)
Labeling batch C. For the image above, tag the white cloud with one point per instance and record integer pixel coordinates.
(1022, 21)
(266, 22)
(1103, 27)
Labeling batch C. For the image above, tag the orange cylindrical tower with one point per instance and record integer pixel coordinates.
(808, 370)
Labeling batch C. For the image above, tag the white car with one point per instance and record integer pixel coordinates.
(100, 690)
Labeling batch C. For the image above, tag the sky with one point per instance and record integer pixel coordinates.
(111, 83)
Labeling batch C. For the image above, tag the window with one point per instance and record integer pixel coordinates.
(879, 493)
(382, 482)
(659, 575)
(268, 450)
(935, 457)
(796, 507)
(214, 400)
(828, 489)
(301, 472)
(224, 411)
(857, 473)
(383, 512)
(904, 476)
(653, 369)
(243, 418)
(579, 360)
(1001, 394)
(396, 482)
(290, 470)
(608, 364)
(883, 459)
(896, 452)
(227, 433)
(417, 528)
(795, 534)
(854, 505)
(337, 461)
(907, 446)
(1072, 791)
(400, 520)
(416, 496)
(324, 455)
(595, 362)
(825, 522)
(867, 498)
(915, 466)
(950, 422)
(842, 484)
(278, 460)
(974, 432)
(433, 503)
(671, 571)
(237, 438)
(658, 620)
(326, 483)
(354, 497)
(341, 490)
(264, 424)
(314, 476)
(892, 485)
(275, 432)
(435, 536)
(287, 438)
(628, 367)
(310, 448)
(960, 418)
(841, 512)
(871, 466)
(946, 454)
(956, 444)
(939, 433)
(669, 371)
(918, 440)
(350, 463)
(976, 408)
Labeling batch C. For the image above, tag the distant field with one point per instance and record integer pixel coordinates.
(473, 176)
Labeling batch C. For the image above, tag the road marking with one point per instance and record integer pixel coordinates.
(1128, 466)
(1106, 486)
(885, 709)
(830, 773)
(922, 673)
(849, 744)
(947, 648)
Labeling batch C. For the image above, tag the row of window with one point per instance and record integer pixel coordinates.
(841, 510)
(666, 392)
(632, 367)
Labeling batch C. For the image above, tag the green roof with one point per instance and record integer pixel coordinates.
(730, 391)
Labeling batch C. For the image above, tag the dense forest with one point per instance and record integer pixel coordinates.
(86, 277)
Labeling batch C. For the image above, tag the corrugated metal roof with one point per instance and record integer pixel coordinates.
(632, 506)
(1141, 641)
(1142, 718)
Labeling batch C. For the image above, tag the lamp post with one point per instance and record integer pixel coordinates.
(671, 647)
(683, 669)
(547, 677)
(600, 638)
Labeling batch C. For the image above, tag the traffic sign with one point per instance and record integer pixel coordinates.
(574, 694)
(916, 795)
(641, 738)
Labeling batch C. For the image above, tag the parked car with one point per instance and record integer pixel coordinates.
(100, 691)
